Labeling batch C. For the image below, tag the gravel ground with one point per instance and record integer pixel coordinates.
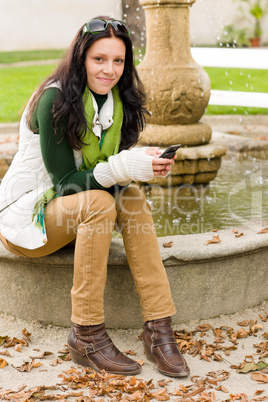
(210, 380)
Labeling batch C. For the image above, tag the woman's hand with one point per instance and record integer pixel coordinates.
(161, 166)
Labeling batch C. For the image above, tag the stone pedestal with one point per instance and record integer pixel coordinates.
(178, 89)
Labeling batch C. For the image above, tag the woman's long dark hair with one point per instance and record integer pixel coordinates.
(72, 78)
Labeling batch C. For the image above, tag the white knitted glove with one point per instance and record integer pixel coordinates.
(124, 167)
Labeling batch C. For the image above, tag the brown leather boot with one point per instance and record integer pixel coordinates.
(90, 346)
(160, 347)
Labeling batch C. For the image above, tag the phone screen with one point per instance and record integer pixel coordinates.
(170, 151)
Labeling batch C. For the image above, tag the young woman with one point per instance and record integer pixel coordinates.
(69, 182)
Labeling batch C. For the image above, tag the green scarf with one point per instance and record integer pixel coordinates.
(91, 152)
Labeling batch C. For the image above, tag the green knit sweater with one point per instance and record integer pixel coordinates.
(58, 155)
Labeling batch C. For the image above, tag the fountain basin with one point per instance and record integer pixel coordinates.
(206, 281)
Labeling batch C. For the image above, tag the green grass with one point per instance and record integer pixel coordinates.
(18, 83)
(13, 57)
(16, 87)
(237, 79)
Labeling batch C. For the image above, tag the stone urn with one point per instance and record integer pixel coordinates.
(178, 91)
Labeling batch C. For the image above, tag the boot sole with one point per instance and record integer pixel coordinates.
(86, 362)
(152, 359)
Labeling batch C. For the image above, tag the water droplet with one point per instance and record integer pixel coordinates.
(127, 5)
(138, 9)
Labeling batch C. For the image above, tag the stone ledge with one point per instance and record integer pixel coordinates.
(206, 281)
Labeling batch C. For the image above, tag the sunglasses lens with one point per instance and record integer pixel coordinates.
(120, 26)
(97, 26)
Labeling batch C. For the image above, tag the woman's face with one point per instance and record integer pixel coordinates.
(105, 60)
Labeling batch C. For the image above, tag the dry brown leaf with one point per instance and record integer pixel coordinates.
(259, 391)
(64, 351)
(259, 377)
(26, 334)
(163, 383)
(129, 352)
(214, 230)
(235, 231)
(244, 323)
(5, 353)
(42, 356)
(265, 230)
(3, 363)
(28, 366)
(203, 328)
(222, 388)
(161, 395)
(239, 234)
(56, 362)
(242, 333)
(215, 239)
(141, 362)
(168, 245)
(18, 347)
(264, 318)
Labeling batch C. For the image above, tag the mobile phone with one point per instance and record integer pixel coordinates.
(170, 151)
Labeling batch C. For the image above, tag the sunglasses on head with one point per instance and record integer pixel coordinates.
(100, 25)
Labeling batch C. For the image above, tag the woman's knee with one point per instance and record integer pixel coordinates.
(132, 200)
(100, 202)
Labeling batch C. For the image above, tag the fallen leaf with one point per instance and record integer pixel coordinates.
(27, 334)
(3, 339)
(244, 323)
(265, 230)
(3, 363)
(242, 333)
(64, 351)
(168, 245)
(56, 362)
(129, 352)
(214, 230)
(259, 391)
(18, 347)
(203, 328)
(252, 366)
(239, 234)
(161, 395)
(163, 383)
(222, 388)
(66, 357)
(42, 356)
(264, 318)
(5, 353)
(141, 362)
(215, 239)
(259, 377)
(28, 366)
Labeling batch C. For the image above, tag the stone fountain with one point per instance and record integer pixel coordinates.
(178, 91)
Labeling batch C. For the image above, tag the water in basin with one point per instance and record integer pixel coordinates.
(238, 194)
